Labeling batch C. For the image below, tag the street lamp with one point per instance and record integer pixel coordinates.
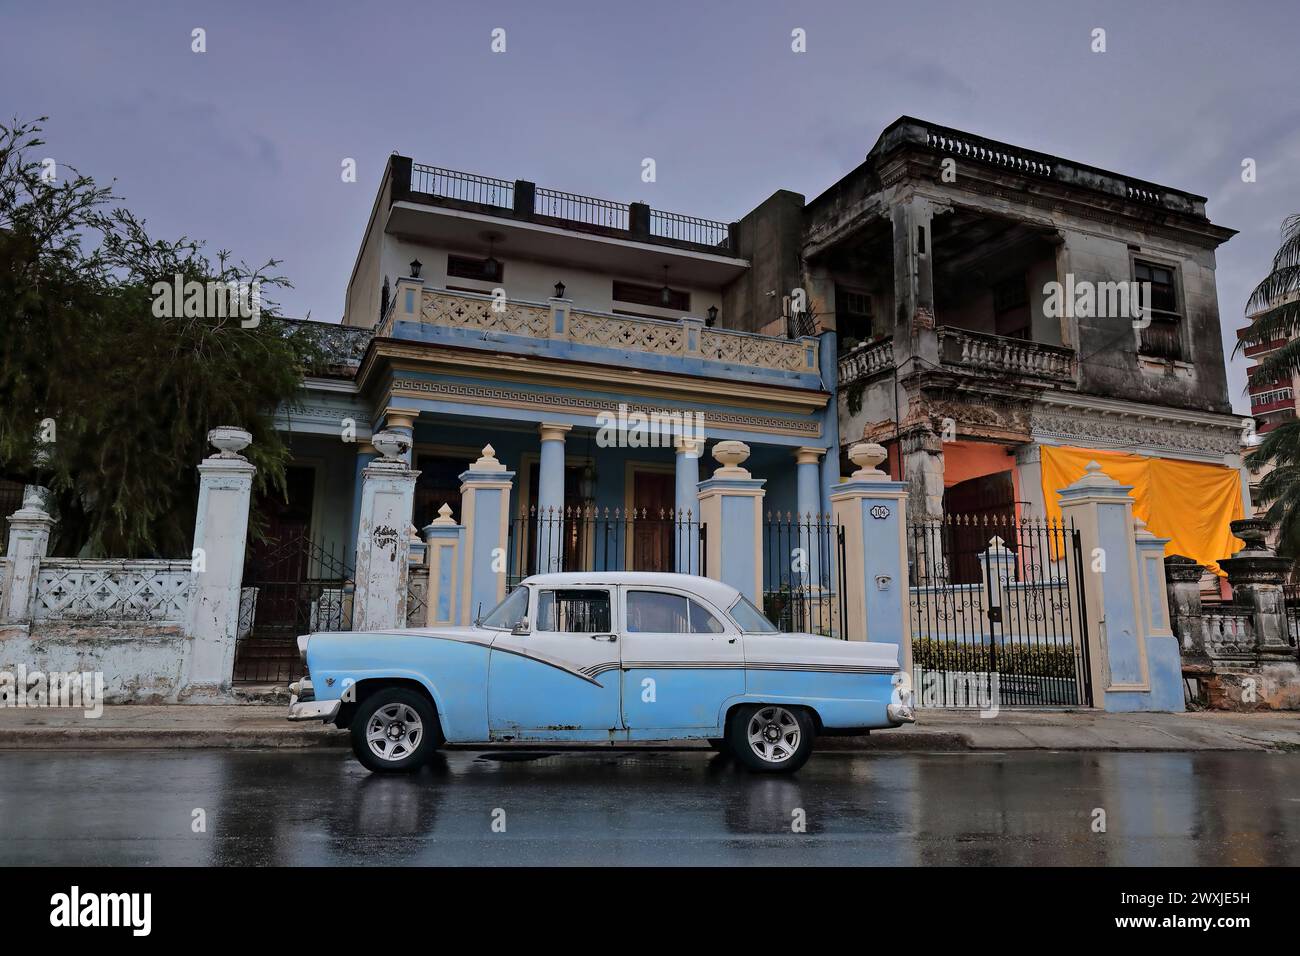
(559, 290)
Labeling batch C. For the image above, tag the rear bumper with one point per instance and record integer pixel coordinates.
(304, 706)
(901, 713)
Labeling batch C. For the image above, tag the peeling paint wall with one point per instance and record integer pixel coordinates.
(140, 664)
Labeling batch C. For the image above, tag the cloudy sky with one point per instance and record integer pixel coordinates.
(242, 145)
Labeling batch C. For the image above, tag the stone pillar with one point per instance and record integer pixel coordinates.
(365, 455)
(383, 541)
(1256, 574)
(914, 335)
(808, 503)
(1133, 667)
(485, 512)
(220, 536)
(402, 421)
(442, 546)
(871, 509)
(922, 452)
(731, 509)
(1183, 579)
(550, 499)
(29, 543)
(686, 504)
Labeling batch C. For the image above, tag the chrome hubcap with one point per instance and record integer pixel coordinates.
(773, 734)
(394, 731)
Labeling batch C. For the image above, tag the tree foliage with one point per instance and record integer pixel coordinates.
(127, 397)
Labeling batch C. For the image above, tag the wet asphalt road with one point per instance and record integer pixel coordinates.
(683, 807)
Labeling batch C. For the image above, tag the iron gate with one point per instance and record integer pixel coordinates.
(291, 587)
(803, 573)
(998, 613)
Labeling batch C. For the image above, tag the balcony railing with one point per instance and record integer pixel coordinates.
(525, 200)
(1272, 401)
(996, 354)
(688, 338)
(866, 360)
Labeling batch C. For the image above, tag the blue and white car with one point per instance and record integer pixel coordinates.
(601, 658)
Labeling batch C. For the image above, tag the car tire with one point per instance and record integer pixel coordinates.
(395, 730)
(771, 738)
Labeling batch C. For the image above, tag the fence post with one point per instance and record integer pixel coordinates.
(1183, 580)
(871, 509)
(1256, 574)
(1133, 666)
(442, 542)
(731, 505)
(220, 537)
(485, 512)
(29, 543)
(383, 535)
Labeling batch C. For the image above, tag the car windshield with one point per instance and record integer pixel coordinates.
(509, 612)
(750, 619)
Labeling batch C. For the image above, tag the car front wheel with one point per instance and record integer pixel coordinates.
(771, 738)
(394, 730)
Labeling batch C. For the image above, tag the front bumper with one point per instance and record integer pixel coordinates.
(304, 706)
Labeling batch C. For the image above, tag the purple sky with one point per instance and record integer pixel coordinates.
(242, 145)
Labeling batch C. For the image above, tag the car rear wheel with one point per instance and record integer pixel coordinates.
(394, 730)
(771, 738)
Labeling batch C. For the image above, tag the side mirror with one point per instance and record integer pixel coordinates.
(521, 629)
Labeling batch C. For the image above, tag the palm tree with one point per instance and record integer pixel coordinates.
(1275, 304)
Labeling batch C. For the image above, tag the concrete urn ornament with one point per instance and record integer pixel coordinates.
(731, 455)
(229, 441)
(391, 445)
(867, 456)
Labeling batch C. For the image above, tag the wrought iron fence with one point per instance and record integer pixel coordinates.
(466, 187)
(604, 539)
(803, 573)
(997, 612)
(300, 588)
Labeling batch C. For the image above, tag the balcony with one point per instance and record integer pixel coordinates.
(997, 355)
(556, 329)
(1272, 401)
(866, 361)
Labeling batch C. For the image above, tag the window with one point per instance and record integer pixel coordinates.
(466, 267)
(653, 612)
(750, 618)
(573, 612)
(509, 612)
(1162, 336)
(853, 314)
(639, 294)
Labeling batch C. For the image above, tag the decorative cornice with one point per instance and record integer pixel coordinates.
(1106, 423)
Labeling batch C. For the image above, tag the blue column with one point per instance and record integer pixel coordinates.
(829, 365)
(550, 499)
(809, 505)
(687, 550)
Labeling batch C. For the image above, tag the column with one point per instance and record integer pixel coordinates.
(1165, 660)
(442, 545)
(922, 452)
(220, 536)
(871, 508)
(914, 334)
(686, 503)
(485, 513)
(29, 543)
(550, 499)
(1183, 577)
(808, 504)
(731, 510)
(383, 541)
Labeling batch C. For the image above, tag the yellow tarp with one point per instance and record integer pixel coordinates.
(1187, 502)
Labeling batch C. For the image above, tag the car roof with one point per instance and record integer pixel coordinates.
(720, 594)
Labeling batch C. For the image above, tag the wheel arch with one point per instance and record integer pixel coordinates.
(367, 686)
(732, 706)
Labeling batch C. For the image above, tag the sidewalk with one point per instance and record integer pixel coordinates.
(252, 726)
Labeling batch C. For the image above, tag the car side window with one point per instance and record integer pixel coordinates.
(653, 612)
(702, 622)
(573, 611)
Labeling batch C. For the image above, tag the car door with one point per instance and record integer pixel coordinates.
(559, 681)
(681, 661)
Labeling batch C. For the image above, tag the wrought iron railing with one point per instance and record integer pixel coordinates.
(465, 187)
(572, 207)
(803, 574)
(701, 232)
(549, 540)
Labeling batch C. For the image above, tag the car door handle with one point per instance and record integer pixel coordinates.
(605, 637)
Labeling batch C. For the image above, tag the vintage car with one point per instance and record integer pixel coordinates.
(601, 658)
